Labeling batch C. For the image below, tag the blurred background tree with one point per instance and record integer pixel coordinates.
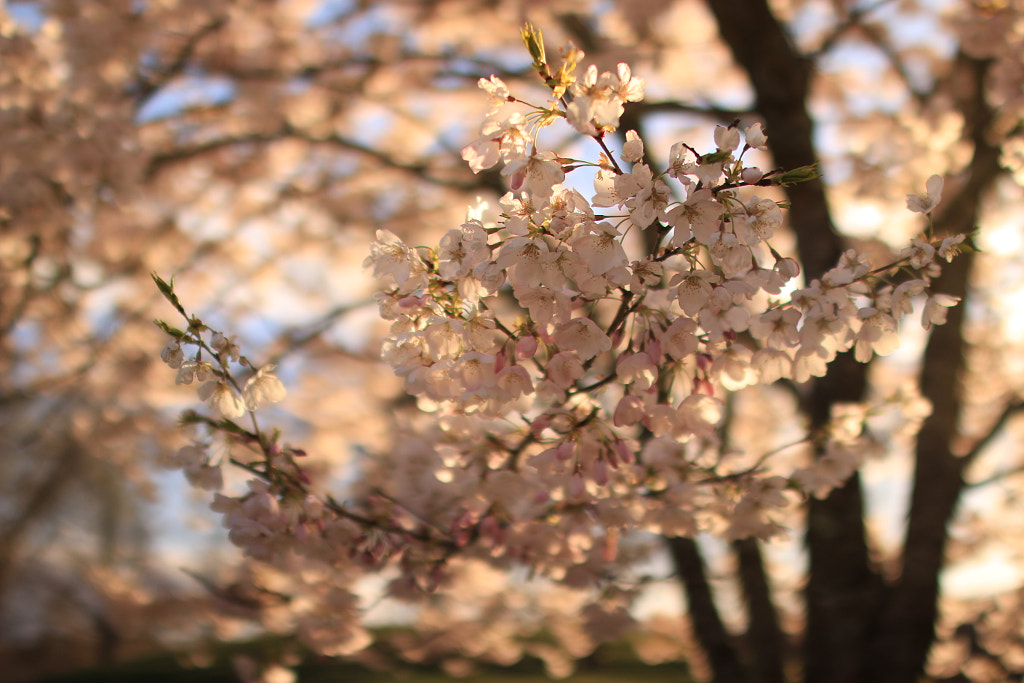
(252, 147)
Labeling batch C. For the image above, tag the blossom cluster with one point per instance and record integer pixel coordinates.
(574, 353)
(206, 357)
(216, 385)
(610, 328)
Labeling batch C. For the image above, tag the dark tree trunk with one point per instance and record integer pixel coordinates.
(765, 640)
(708, 628)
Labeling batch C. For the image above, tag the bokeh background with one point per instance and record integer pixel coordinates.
(250, 149)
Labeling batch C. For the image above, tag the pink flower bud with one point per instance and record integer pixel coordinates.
(752, 175)
(540, 424)
(577, 487)
(787, 268)
(526, 347)
(612, 457)
(565, 450)
(626, 454)
(410, 302)
(654, 350)
(492, 530)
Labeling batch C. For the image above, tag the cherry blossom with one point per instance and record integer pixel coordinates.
(597, 243)
(598, 100)
(263, 388)
(583, 336)
(700, 213)
(936, 309)
(649, 199)
(927, 202)
(756, 138)
(223, 398)
(501, 138)
(172, 354)
(694, 289)
(632, 148)
(539, 172)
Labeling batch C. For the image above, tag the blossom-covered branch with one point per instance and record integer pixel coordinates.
(575, 379)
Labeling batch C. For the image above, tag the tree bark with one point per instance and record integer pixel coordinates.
(711, 633)
(765, 640)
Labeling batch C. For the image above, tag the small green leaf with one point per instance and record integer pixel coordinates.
(969, 246)
(534, 44)
(799, 175)
(227, 425)
(191, 417)
(715, 157)
(170, 329)
(167, 289)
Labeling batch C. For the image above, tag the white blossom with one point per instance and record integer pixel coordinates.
(222, 397)
(930, 199)
(538, 173)
(694, 289)
(936, 309)
(262, 388)
(651, 198)
(919, 253)
(600, 247)
(496, 88)
(699, 213)
(756, 137)
(564, 369)
(172, 354)
(633, 148)
(727, 139)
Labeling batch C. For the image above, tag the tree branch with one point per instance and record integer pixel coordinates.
(855, 19)
(147, 85)
(982, 443)
(485, 180)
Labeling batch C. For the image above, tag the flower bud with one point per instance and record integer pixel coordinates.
(752, 175)
(526, 347)
(798, 175)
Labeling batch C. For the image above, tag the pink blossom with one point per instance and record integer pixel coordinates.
(583, 336)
